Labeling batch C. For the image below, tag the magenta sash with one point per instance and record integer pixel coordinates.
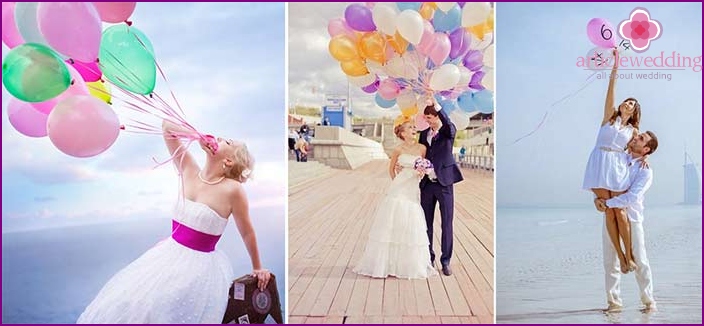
(193, 239)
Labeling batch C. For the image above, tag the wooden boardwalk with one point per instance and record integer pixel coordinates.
(329, 219)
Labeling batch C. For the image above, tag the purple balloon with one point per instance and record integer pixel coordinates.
(459, 43)
(359, 18)
(461, 4)
(476, 81)
(373, 87)
(474, 60)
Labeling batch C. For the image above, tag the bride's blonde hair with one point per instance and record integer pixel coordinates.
(244, 164)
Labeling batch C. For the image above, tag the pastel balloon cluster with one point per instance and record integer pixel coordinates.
(409, 54)
(59, 61)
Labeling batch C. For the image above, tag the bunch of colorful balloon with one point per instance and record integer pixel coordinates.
(412, 53)
(602, 34)
(61, 64)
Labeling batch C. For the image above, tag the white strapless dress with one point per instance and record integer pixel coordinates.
(398, 240)
(170, 283)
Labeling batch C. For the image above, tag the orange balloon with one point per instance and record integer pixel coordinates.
(398, 43)
(427, 10)
(354, 68)
(343, 48)
(409, 112)
(373, 47)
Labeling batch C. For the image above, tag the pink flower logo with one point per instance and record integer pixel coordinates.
(640, 29)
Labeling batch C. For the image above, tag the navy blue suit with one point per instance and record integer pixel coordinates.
(441, 191)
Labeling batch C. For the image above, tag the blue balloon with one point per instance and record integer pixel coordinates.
(380, 101)
(484, 100)
(448, 105)
(415, 6)
(466, 102)
(446, 22)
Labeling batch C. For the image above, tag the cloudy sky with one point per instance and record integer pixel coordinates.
(537, 51)
(225, 64)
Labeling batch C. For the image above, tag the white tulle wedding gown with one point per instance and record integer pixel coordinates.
(398, 241)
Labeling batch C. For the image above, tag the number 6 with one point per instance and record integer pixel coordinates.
(603, 32)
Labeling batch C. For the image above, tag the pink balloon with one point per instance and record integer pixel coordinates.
(421, 123)
(370, 5)
(27, 120)
(72, 28)
(338, 26)
(115, 12)
(10, 35)
(82, 126)
(90, 72)
(601, 33)
(427, 40)
(388, 89)
(77, 87)
(440, 49)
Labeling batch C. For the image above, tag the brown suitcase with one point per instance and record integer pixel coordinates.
(247, 305)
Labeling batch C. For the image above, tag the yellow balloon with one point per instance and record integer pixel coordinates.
(398, 43)
(100, 90)
(427, 10)
(343, 48)
(478, 30)
(373, 47)
(409, 112)
(354, 68)
(490, 22)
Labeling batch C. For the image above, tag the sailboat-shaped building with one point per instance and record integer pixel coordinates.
(692, 182)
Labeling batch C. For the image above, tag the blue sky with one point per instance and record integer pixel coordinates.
(537, 49)
(225, 64)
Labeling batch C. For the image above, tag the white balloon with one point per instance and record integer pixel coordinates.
(475, 13)
(394, 67)
(406, 99)
(445, 6)
(445, 77)
(478, 44)
(384, 17)
(27, 24)
(465, 76)
(361, 81)
(410, 25)
(460, 119)
(488, 80)
(489, 56)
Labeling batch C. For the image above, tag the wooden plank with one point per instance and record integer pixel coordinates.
(329, 222)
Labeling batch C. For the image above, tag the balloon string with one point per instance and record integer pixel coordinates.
(588, 81)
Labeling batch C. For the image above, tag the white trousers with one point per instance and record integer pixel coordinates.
(612, 267)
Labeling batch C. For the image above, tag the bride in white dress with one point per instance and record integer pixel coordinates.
(398, 242)
(183, 279)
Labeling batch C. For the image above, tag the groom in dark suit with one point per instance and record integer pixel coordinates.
(439, 140)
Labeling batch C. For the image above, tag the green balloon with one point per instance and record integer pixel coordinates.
(33, 72)
(127, 59)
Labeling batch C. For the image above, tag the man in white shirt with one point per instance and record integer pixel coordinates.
(641, 177)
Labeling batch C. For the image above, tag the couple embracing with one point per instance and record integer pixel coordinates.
(424, 172)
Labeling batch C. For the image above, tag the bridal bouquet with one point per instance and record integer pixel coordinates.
(424, 166)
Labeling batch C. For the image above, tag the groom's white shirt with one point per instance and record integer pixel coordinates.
(641, 178)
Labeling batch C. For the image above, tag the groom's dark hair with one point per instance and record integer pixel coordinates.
(430, 109)
(652, 143)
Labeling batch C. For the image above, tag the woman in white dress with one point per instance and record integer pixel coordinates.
(183, 279)
(607, 169)
(398, 243)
